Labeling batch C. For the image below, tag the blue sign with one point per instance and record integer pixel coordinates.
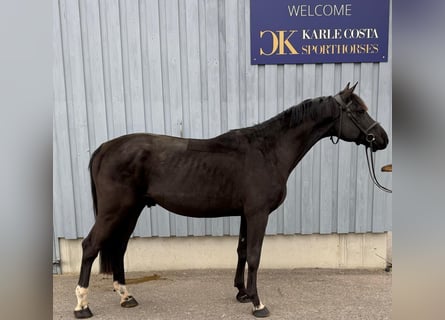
(295, 31)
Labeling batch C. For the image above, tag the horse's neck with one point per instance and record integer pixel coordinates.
(294, 143)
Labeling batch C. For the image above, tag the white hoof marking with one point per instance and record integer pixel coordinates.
(121, 290)
(81, 294)
(258, 307)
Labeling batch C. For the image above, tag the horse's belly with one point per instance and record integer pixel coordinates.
(198, 205)
(197, 184)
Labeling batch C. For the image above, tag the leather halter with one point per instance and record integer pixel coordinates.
(370, 138)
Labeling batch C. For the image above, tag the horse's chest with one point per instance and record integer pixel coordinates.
(265, 188)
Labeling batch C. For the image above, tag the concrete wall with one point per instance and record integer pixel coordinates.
(367, 250)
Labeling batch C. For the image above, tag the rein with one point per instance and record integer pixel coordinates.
(370, 137)
(371, 168)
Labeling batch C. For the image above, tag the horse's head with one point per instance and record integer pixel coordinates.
(355, 124)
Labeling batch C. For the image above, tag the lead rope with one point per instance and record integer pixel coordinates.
(371, 165)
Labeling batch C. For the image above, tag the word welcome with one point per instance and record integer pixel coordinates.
(320, 10)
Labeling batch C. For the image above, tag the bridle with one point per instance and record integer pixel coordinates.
(370, 137)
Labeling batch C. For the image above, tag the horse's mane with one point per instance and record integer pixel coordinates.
(309, 109)
(268, 130)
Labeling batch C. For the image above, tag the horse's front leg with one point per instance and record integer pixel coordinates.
(256, 228)
(242, 258)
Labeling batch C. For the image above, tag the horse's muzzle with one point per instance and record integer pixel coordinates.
(377, 140)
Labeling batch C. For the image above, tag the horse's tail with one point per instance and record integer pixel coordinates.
(106, 254)
(93, 185)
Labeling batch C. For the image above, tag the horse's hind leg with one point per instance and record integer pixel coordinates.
(108, 222)
(89, 254)
(126, 299)
(242, 258)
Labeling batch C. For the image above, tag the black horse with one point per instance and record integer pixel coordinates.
(240, 173)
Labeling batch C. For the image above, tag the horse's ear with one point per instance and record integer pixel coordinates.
(353, 87)
(347, 91)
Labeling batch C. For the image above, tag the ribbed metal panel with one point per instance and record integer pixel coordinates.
(182, 67)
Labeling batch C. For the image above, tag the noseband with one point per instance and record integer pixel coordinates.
(370, 138)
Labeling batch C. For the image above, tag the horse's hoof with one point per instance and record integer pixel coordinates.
(243, 297)
(261, 313)
(83, 314)
(129, 302)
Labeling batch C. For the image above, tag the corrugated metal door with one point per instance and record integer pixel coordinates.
(183, 68)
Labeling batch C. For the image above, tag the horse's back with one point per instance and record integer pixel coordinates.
(125, 159)
(186, 176)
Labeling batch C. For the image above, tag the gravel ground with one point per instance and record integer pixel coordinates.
(209, 294)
